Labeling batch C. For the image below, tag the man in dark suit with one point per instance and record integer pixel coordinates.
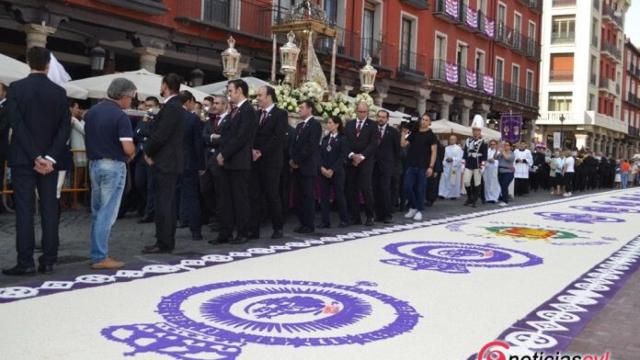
(40, 119)
(143, 174)
(268, 147)
(387, 155)
(4, 135)
(304, 162)
(285, 175)
(164, 152)
(193, 163)
(362, 135)
(235, 157)
(209, 179)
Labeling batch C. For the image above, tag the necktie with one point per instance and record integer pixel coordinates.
(358, 128)
(216, 123)
(380, 130)
(234, 110)
(263, 117)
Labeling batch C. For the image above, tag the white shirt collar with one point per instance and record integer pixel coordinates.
(268, 110)
(169, 98)
(307, 120)
(241, 103)
(3, 101)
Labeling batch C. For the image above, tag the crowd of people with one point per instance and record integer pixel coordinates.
(234, 164)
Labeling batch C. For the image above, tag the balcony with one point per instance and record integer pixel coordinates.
(564, 3)
(381, 52)
(612, 50)
(469, 18)
(609, 14)
(448, 10)
(149, 7)
(533, 4)
(247, 17)
(608, 85)
(596, 4)
(592, 79)
(418, 4)
(412, 66)
(634, 132)
(563, 38)
(586, 118)
(633, 99)
(561, 75)
(594, 41)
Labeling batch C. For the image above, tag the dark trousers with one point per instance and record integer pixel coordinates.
(190, 200)
(382, 192)
(521, 187)
(265, 184)
(505, 179)
(568, 182)
(359, 180)
(24, 180)
(285, 189)
(234, 198)
(305, 202)
(144, 185)
(208, 196)
(337, 184)
(165, 208)
(432, 188)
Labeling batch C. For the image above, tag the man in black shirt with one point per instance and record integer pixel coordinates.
(421, 160)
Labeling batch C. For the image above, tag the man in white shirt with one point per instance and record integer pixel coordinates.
(523, 162)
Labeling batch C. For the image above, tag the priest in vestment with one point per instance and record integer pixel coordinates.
(450, 182)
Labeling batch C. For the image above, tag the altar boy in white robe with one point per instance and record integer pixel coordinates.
(524, 161)
(490, 174)
(450, 183)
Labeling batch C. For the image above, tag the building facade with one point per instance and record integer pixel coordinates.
(581, 76)
(631, 94)
(454, 58)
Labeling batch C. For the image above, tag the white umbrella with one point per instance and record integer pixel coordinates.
(219, 87)
(148, 84)
(444, 126)
(490, 134)
(12, 70)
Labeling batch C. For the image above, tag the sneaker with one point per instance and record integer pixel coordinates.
(418, 216)
(107, 264)
(411, 213)
(503, 204)
(567, 194)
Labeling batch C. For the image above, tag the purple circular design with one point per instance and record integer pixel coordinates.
(578, 218)
(628, 197)
(456, 257)
(619, 203)
(264, 312)
(606, 209)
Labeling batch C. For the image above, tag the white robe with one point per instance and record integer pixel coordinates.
(522, 169)
(450, 182)
(490, 177)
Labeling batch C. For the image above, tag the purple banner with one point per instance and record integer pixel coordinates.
(472, 18)
(452, 73)
(472, 79)
(487, 84)
(511, 127)
(451, 8)
(489, 27)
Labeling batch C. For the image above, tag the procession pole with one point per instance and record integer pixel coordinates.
(273, 59)
(333, 67)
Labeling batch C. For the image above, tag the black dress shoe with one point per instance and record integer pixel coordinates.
(240, 239)
(45, 268)
(369, 222)
(19, 270)
(343, 225)
(221, 239)
(306, 230)
(155, 250)
(145, 220)
(388, 220)
(277, 234)
(324, 226)
(356, 221)
(253, 235)
(182, 225)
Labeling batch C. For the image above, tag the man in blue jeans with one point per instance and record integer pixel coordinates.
(109, 142)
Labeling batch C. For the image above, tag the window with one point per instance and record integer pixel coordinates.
(501, 21)
(515, 81)
(331, 10)
(517, 28)
(461, 55)
(529, 88)
(531, 34)
(563, 29)
(499, 76)
(482, 6)
(479, 66)
(594, 70)
(560, 101)
(368, 31)
(561, 67)
(407, 56)
(441, 47)
(592, 102)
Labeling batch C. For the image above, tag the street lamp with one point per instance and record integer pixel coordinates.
(562, 118)
(97, 55)
(197, 76)
(368, 77)
(289, 57)
(231, 60)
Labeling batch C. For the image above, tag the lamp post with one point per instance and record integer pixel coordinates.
(562, 118)
(231, 60)
(368, 77)
(289, 58)
(97, 55)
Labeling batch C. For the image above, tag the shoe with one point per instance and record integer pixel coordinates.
(155, 250)
(253, 235)
(240, 239)
(410, 214)
(369, 222)
(503, 204)
(19, 270)
(221, 239)
(418, 216)
(567, 194)
(149, 247)
(323, 226)
(306, 230)
(277, 234)
(196, 237)
(145, 220)
(388, 220)
(45, 268)
(107, 264)
(343, 225)
(182, 225)
(357, 221)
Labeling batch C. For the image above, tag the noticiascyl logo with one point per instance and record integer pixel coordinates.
(493, 350)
